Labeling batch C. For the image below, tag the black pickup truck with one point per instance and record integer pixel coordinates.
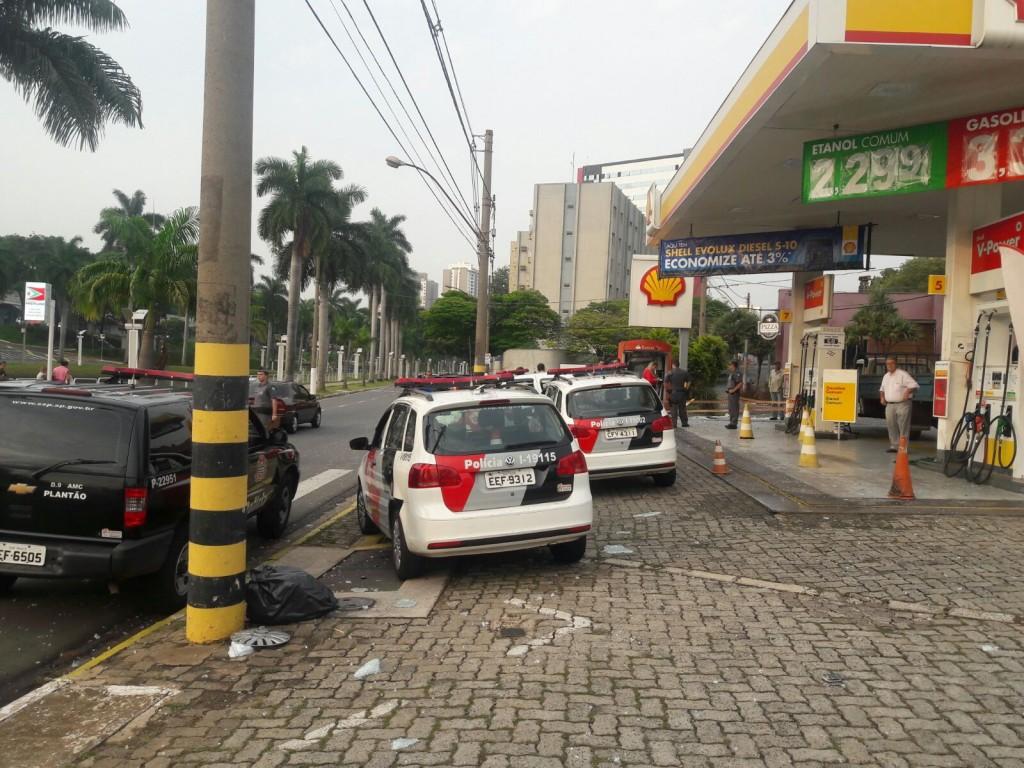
(94, 483)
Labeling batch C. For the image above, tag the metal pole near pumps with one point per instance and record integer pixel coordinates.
(483, 253)
(220, 428)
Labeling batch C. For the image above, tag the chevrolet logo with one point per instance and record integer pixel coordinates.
(20, 489)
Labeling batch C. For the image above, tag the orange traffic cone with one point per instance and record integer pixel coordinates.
(901, 486)
(718, 466)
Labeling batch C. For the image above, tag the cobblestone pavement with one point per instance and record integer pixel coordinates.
(656, 655)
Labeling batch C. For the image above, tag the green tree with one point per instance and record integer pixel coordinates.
(74, 87)
(499, 281)
(450, 325)
(52, 260)
(302, 197)
(598, 328)
(708, 356)
(879, 321)
(713, 309)
(909, 277)
(519, 320)
(126, 207)
(157, 271)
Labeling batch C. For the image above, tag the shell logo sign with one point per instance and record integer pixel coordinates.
(661, 291)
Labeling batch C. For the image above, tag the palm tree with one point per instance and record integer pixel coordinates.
(271, 296)
(157, 272)
(302, 196)
(388, 247)
(74, 87)
(126, 207)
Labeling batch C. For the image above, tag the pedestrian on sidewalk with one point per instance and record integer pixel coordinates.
(677, 392)
(263, 403)
(775, 377)
(62, 373)
(896, 394)
(734, 388)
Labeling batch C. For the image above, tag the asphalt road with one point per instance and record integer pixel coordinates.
(49, 626)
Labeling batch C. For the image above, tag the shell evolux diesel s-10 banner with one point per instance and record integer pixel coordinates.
(980, 149)
(797, 250)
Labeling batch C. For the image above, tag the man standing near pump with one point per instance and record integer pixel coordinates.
(895, 394)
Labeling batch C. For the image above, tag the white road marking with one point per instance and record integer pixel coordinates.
(319, 481)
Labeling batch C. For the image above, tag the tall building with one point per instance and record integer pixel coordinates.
(581, 243)
(634, 177)
(460, 277)
(428, 290)
(520, 261)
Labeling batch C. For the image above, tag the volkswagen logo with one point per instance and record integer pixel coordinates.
(510, 460)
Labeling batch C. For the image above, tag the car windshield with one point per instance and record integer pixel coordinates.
(493, 428)
(41, 431)
(613, 400)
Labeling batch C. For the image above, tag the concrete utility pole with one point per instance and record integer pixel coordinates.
(483, 262)
(220, 427)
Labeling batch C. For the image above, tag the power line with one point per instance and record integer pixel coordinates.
(394, 92)
(451, 91)
(384, 119)
(414, 102)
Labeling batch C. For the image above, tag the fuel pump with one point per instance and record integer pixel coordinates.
(825, 350)
(996, 385)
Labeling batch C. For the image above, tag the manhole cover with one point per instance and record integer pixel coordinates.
(511, 632)
(261, 637)
(367, 570)
(355, 603)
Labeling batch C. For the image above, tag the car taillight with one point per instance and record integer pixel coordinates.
(573, 464)
(579, 432)
(136, 502)
(661, 424)
(432, 476)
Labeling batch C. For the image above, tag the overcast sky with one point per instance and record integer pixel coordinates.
(599, 79)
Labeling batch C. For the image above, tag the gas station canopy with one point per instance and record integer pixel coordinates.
(839, 68)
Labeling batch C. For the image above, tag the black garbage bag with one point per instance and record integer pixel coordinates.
(280, 594)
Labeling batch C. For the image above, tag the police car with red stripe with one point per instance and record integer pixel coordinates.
(619, 421)
(469, 465)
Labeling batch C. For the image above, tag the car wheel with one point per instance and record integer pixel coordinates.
(169, 585)
(569, 552)
(6, 582)
(665, 479)
(366, 524)
(407, 564)
(317, 419)
(291, 426)
(272, 520)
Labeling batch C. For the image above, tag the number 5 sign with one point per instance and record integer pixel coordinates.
(936, 285)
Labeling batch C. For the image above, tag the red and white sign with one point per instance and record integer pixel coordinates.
(986, 272)
(818, 298)
(986, 149)
(940, 394)
(1019, 5)
(657, 301)
(36, 295)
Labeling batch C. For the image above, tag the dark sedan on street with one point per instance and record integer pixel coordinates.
(299, 406)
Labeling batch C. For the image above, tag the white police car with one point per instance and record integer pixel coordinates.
(472, 471)
(620, 424)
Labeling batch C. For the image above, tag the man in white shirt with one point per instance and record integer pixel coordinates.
(896, 392)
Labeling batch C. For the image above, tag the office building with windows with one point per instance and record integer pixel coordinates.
(634, 177)
(428, 290)
(460, 277)
(581, 241)
(520, 262)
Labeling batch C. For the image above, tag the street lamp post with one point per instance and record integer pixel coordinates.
(482, 233)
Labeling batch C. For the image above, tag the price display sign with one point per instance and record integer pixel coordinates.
(986, 149)
(897, 161)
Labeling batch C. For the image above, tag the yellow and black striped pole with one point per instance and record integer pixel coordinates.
(220, 419)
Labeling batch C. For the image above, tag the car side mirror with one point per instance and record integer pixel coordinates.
(278, 437)
(359, 444)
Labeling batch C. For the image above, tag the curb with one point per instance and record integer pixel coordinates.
(345, 392)
(98, 659)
